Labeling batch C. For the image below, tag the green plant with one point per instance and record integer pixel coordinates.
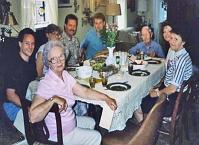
(109, 35)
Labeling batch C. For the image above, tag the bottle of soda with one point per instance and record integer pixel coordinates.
(142, 55)
(138, 54)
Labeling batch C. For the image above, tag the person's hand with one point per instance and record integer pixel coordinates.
(154, 93)
(132, 58)
(61, 103)
(111, 103)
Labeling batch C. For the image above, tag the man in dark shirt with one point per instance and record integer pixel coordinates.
(19, 72)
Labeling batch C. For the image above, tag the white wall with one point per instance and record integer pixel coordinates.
(81, 30)
(62, 12)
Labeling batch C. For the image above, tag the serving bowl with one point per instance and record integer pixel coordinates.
(84, 72)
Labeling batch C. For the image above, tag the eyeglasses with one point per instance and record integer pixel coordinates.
(56, 34)
(55, 60)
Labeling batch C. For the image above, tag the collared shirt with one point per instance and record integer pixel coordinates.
(153, 46)
(92, 43)
(170, 56)
(52, 85)
(178, 69)
(72, 49)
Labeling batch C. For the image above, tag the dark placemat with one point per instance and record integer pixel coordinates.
(117, 86)
(139, 72)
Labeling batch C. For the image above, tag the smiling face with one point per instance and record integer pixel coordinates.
(70, 27)
(99, 24)
(56, 59)
(146, 35)
(167, 33)
(176, 42)
(27, 46)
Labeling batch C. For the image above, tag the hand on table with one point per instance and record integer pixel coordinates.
(111, 103)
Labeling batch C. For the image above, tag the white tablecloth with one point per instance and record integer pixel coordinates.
(127, 101)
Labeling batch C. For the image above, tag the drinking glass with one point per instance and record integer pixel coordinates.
(104, 79)
(130, 68)
(92, 82)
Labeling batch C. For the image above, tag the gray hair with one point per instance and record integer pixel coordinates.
(47, 49)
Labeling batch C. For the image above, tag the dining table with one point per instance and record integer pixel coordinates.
(128, 100)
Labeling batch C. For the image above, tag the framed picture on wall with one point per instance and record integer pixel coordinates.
(64, 3)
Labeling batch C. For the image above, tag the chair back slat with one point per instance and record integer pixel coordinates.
(177, 114)
(38, 132)
(147, 134)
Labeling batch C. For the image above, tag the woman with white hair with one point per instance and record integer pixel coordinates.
(58, 86)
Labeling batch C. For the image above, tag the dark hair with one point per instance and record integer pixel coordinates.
(180, 32)
(99, 16)
(24, 32)
(72, 17)
(166, 23)
(53, 28)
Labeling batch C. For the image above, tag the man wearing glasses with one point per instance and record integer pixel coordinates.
(20, 71)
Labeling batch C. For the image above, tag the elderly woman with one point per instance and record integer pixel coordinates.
(58, 86)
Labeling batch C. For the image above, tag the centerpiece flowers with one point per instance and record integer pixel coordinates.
(109, 37)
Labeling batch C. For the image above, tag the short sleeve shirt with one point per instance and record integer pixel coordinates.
(179, 69)
(52, 85)
(72, 49)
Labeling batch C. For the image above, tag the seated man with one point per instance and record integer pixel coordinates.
(92, 42)
(70, 41)
(19, 73)
(178, 70)
(148, 46)
(52, 32)
(58, 86)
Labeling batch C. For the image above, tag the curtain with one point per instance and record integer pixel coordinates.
(122, 19)
(156, 16)
(28, 13)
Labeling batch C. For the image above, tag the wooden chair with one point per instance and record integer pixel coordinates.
(179, 119)
(35, 131)
(146, 134)
(189, 113)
